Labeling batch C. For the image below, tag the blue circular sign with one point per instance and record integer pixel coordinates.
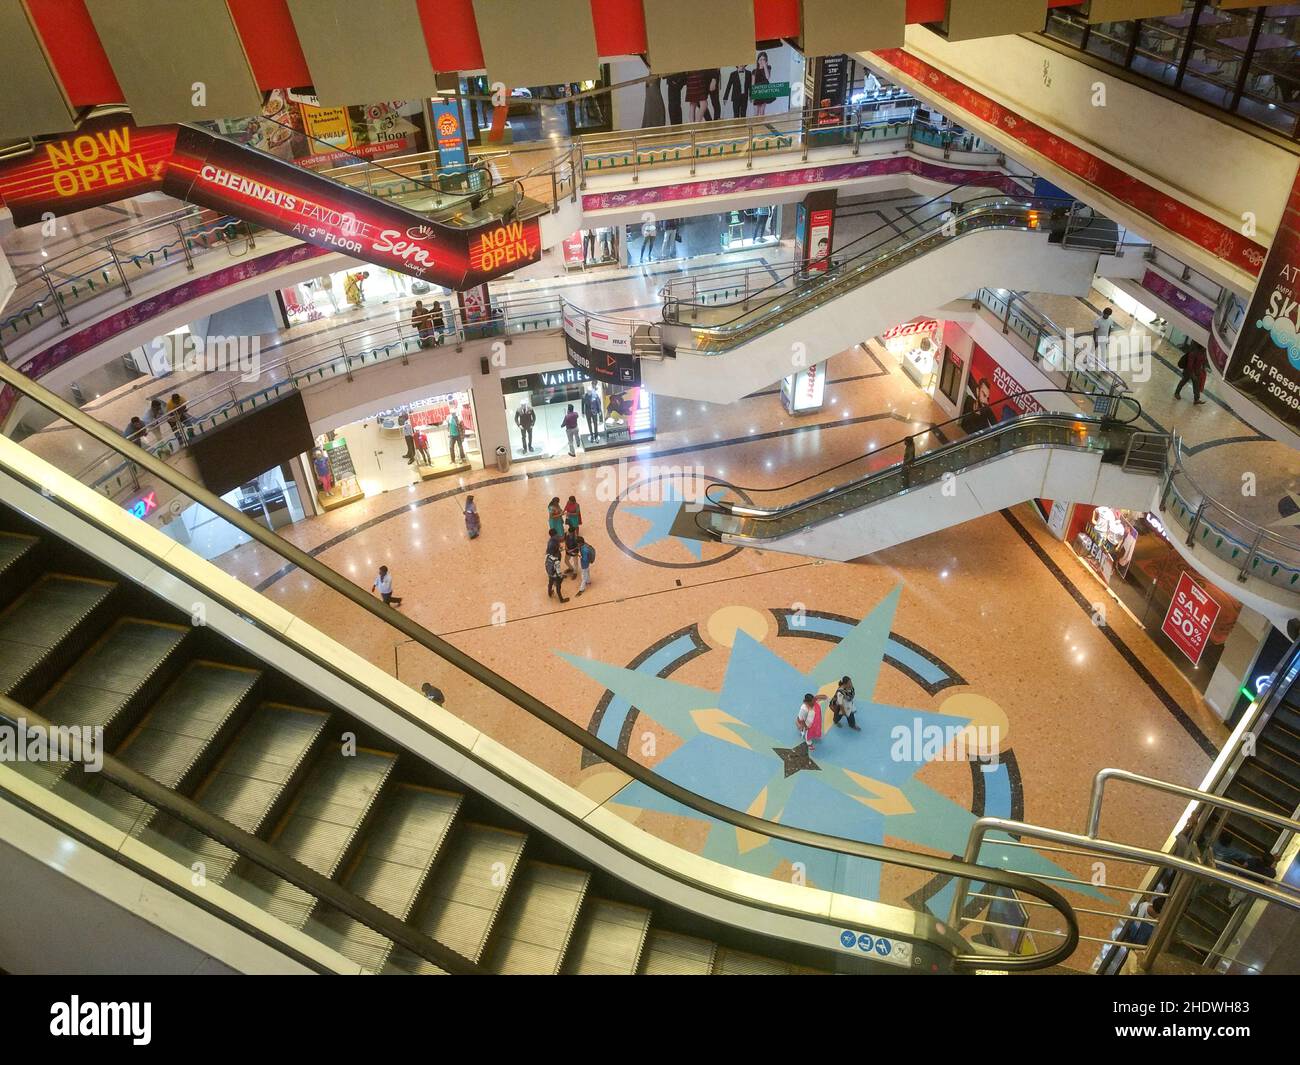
(848, 938)
(865, 943)
(883, 947)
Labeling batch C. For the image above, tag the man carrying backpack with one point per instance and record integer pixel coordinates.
(554, 573)
(586, 556)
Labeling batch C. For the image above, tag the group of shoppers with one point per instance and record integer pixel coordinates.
(808, 720)
(567, 552)
(417, 441)
(174, 413)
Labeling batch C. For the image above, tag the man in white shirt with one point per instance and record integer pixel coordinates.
(1101, 330)
(384, 586)
(408, 434)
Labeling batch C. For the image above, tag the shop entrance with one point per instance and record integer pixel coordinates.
(608, 415)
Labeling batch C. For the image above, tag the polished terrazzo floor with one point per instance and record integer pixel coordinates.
(693, 657)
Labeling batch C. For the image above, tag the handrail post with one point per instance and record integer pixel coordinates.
(636, 162)
(694, 150)
(185, 247)
(54, 294)
(1254, 548)
(1171, 913)
(555, 193)
(347, 360)
(1196, 522)
(126, 285)
(749, 148)
(806, 138)
(1168, 487)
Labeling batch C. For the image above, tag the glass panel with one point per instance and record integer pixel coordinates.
(1160, 45)
(1218, 45)
(1067, 26)
(1271, 94)
(1110, 40)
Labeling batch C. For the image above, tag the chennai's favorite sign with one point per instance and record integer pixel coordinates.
(107, 159)
(1265, 364)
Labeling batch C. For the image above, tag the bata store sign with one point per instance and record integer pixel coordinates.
(1265, 362)
(601, 348)
(201, 168)
(1190, 618)
(107, 159)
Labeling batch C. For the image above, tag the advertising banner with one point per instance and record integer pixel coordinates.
(989, 385)
(601, 348)
(448, 134)
(1265, 362)
(819, 241)
(108, 159)
(1190, 618)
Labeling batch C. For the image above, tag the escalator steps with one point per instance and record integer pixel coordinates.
(735, 963)
(466, 892)
(173, 736)
(1285, 744)
(1280, 794)
(395, 860)
(533, 932)
(19, 555)
(42, 621)
(670, 954)
(247, 781)
(322, 823)
(113, 673)
(609, 940)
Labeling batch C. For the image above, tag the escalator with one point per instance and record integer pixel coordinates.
(887, 497)
(282, 782)
(729, 333)
(194, 713)
(1267, 778)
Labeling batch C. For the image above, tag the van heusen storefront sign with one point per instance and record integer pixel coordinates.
(114, 159)
(601, 348)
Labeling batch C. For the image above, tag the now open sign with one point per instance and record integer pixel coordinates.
(1190, 618)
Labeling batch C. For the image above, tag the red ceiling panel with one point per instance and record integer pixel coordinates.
(776, 18)
(451, 33)
(620, 27)
(78, 57)
(266, 28)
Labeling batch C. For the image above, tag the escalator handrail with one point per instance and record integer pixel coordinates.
(255, 850)
(744, 510)
(557, 721)
(840, 255)
(838, 274)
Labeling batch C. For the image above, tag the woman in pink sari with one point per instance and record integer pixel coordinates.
(809, 719)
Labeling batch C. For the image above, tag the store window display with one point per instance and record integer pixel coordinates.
(345, 292)
(608, 415)
(687, 238)
(591, 247)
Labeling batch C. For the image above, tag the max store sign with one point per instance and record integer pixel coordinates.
(111, 160)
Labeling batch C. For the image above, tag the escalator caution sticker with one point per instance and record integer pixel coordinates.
(890, 951)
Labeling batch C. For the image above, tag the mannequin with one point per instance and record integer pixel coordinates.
(653, 115)
(739, 83)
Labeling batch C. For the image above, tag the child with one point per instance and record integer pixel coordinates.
(586, 556)
(809, 719)
(422, 446)
(472, 525)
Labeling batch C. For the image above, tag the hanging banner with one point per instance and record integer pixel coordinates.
(1190, 618)
(108, 159)
(601, 348)
(448, 134)
(1265, 363)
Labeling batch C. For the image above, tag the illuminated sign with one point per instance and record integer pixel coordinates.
(144, 506)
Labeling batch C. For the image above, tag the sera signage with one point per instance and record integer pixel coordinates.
(1190, 618)
(104, 163)
(108, 159)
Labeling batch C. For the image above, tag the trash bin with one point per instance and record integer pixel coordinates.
(503, 459)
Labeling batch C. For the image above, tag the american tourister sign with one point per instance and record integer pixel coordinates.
(114, 159)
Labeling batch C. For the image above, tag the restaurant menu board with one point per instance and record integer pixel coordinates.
(102, 163)
(1265, 363)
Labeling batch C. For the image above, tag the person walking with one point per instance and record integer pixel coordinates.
(842, 705)
(408, 435)
(456, 435)
(1101, 331)
(570, 424)
(434, 695)
(586, 556)
(472, 524)
(554, 575)
(591, 411)
(555, 517)
(1193, 365)
(384, 586)
(422, 447)
(526, 418)
(809, 719)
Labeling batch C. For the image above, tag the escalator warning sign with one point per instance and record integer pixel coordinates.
(886, 950)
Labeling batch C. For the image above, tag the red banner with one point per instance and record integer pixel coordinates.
(1190, 618)
(108, 159)
(991, 385)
